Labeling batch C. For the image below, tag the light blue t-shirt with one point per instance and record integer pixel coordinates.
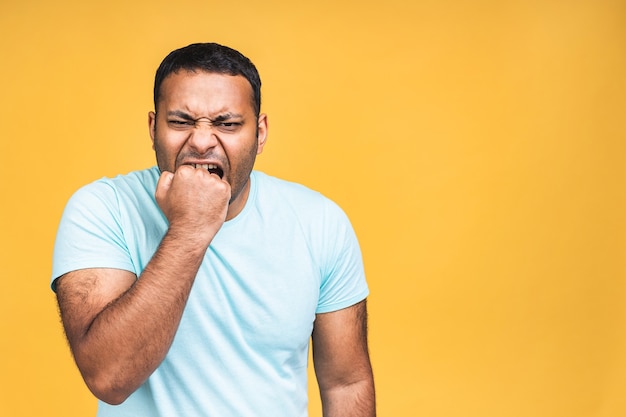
(242, 346)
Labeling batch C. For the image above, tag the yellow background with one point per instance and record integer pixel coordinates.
(477, 146)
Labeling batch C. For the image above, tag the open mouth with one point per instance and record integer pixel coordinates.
(212, 168)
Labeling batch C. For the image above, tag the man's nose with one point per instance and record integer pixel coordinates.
(203, 136)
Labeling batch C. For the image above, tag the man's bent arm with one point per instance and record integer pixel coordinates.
(119, 327)
(342, 363)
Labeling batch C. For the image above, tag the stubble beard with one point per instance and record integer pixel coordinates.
(237, 183)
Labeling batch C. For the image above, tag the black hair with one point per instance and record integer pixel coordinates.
(209, 57)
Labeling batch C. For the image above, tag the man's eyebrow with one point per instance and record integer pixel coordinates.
(217, 119)
(181, 114)
(226, 116)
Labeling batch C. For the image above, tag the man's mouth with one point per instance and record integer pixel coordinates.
(212, 168)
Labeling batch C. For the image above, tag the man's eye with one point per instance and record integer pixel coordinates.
(228, 125)
(181, 122)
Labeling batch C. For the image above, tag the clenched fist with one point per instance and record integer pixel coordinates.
(194, 201)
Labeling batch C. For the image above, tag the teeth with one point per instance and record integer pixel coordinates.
(205, 166)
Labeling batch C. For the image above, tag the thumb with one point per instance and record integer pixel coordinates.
(164, 184)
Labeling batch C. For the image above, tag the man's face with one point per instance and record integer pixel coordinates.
(208, 120)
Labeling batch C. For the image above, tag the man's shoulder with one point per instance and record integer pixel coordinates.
(140, 178)
(134, 180)
(272, 187)
(124, 188)
(283, 194)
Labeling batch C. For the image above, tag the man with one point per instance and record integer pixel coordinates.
(193, 288)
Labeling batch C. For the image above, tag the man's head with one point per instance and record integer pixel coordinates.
(207, 115)
(213, 58)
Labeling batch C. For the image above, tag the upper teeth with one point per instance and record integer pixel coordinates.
(205, 166)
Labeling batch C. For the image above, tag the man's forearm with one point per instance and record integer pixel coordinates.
(353, 400)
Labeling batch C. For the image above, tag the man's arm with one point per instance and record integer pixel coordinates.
(119, 327)
(342, 363)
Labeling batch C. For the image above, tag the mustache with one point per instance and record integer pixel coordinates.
(209, 156)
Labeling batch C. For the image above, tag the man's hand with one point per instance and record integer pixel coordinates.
(194, 201)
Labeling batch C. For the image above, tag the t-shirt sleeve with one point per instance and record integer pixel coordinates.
(343, 282)
(90, 233)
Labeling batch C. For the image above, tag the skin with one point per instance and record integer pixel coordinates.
(120, 328)
(342, 364)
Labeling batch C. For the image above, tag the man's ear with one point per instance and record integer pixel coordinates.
(261, 132)
(152, 125)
